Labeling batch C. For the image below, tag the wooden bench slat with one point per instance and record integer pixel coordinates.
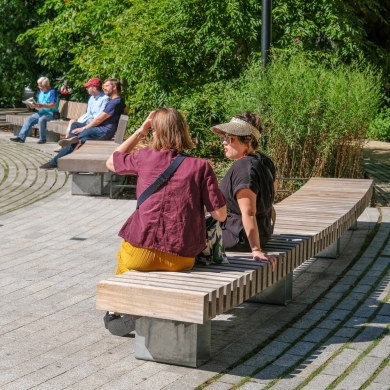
(174, 304)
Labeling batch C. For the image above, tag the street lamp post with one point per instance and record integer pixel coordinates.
(266, 30)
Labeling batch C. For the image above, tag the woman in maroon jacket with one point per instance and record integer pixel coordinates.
(168, 230)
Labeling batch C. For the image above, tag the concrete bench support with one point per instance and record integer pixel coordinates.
(332, 251)
(279, 293)
(94, 183)
(51, 136)
(88, 183)
(172, 342)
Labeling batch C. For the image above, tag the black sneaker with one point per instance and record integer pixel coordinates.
(41, 141)
(17, 139)
(69, 141)
(48, 165)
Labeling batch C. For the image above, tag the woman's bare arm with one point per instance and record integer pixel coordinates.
(246, 199)
(128, 145)
(220, 214)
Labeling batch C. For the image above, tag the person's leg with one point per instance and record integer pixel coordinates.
(73, 124)
(93, 133)
(63, 152)
(28, 124)
(69, 126)
(43, 119)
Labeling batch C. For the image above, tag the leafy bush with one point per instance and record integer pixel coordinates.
(316, 112)
(173, 51)
(380, 127)
(19, 66)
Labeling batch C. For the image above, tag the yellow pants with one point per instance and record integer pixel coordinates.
(141, 259)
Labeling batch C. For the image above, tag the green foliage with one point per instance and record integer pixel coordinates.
(166, 52)
(180, 52)
(316, 111)
(380, 127)
(187, 54)
(19, 66)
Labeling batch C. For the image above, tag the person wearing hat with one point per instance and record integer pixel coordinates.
(248, 186)
(96, 104)
(103, 127)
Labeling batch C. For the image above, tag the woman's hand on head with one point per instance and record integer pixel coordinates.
(144, 129)
(261, 256)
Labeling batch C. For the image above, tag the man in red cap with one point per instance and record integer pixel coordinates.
(96, 104)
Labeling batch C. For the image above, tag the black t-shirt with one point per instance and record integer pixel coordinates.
(258, 173)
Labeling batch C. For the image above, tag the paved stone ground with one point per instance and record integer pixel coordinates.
(334, 334)
(376, 164)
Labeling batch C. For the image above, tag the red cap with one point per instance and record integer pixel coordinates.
(95, 82)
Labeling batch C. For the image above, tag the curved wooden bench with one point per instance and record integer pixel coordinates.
(67, 111)
(88, 163)
(181, 304)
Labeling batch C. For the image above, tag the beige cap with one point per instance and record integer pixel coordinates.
(236, 127)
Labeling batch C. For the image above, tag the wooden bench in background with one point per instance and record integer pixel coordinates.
(87, 164)
(176, 308)
(67, 110)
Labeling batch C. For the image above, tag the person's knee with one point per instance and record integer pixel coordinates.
(75, 125)
(43, 120)
(30, 119)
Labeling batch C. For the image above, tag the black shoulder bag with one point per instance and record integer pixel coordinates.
(161, 179)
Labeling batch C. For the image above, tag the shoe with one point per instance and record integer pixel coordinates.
(69, 141)
(120, 325)
(41, 141)
(58, 149)
(48, 166)
(17, 139)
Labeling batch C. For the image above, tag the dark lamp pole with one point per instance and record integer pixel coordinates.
(266, 30)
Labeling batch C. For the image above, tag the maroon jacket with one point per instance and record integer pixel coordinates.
(171, 220)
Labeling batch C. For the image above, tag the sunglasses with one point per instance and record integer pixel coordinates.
(226, 138)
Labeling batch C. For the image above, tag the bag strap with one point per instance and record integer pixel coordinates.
(161, 179)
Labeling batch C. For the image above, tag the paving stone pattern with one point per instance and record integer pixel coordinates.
(21, 180)
(334, 334)
(380, 172)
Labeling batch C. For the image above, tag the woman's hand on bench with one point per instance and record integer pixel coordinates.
(263, 257)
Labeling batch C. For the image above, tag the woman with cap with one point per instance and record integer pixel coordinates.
(168, 229)
(249, 187)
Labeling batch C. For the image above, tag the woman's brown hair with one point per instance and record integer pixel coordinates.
(170, 130)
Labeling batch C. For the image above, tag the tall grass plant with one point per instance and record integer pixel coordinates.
(316, 112)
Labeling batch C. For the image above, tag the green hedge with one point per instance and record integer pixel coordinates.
(316, 112)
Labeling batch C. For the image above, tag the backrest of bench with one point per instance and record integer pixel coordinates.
(121, 129)
(71, 110)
